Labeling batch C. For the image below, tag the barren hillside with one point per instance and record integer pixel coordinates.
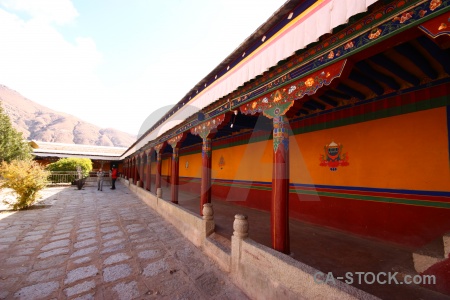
(38, 122)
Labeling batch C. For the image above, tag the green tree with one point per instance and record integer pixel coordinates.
(12, 144)
(70, 164)
(26, 178)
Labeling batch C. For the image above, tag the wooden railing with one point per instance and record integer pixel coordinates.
(70, 177)
(62, 177)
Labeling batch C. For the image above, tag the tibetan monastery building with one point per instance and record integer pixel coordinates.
(101, 156)
(333, 112)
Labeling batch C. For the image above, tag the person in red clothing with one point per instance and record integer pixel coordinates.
(113, 178)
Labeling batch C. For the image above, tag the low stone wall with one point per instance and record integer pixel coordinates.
(261, 272)
(264, 273)
(220, 254)
(191, 226)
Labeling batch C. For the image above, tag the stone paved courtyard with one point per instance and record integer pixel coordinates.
(102, 245)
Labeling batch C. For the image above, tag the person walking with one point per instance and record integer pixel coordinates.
(100, 175)
(113, 178)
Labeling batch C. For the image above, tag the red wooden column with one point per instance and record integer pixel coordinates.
(175, 177)
(158, 166)
(131, 170)
(142, 168)
(206, 131)
(138, 169)
(205, 191)
(274, 107)
(158, 171)
(279, 217)
(135, 168)
(148, 185)
(175, 143)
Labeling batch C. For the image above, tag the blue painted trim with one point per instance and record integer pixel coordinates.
(233, 180)
(376, 190)
(348, 188)
(244, 181)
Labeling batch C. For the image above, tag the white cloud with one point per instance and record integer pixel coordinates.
(38, 62)
(58, 11)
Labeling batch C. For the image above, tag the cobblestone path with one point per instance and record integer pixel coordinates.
(102, 245)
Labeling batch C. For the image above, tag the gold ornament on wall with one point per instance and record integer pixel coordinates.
(221, 162)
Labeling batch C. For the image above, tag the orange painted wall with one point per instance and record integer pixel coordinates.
(165, 167)
(194, 165)
(244, 162)
(145, 169)
(403, 152)
(408, 151)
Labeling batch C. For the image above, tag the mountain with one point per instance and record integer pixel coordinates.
(40, 123)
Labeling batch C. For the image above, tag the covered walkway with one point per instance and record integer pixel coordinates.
(348, 132)
(102, 245)
(325, 249)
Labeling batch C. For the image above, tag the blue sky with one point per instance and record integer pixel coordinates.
(113, 63)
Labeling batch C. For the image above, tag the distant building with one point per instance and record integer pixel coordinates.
(101, 156)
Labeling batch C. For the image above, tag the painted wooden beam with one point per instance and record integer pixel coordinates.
(395, 69)
(365, 68)
(352, 92)
(315, 104)
(332, 93)
(367, 81)
(328, 100)
(410, 52)
(441, 56)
